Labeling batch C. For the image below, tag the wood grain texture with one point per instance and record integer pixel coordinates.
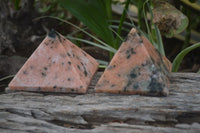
(24, 112)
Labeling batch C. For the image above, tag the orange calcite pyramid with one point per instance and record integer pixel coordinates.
(57, 65)
(136, 68)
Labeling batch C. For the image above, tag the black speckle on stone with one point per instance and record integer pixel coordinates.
(54, 62)
(52, 42)
(78, 67)
(85, 73)
(154, 72)
(68, 79)
(84, 70)
(135, 72)
(73, 54)
(143, 64)
(135, 86)
(52, 34)
(127, 51)
(45, 68)
(112, 85)
(51, 47)
(54, 86)
(62, 63)
(46, 43)
(111, 67)
(141, 41)
(43, 74)
(25, 72)
(127, 57)
(68, 54)
(81, 86)
(155, 86)
(31, 67)
(132, 51)
(133, 75)
(119, 75)
(69, 62)
(72, 90)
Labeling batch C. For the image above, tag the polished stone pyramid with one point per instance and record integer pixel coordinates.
(136, 68)
(57, 65)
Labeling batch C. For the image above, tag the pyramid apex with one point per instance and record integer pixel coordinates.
(57, 65)
(133, 30)
(52, 33)
(136, 68)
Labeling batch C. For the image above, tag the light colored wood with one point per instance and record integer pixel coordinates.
(23, 112)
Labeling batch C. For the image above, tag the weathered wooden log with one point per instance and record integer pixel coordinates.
(23, 112)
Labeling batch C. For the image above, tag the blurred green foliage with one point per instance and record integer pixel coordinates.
(154, 20)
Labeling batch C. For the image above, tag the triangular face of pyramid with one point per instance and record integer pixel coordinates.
(57, 65)
(136, 68)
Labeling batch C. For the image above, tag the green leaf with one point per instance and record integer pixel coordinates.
(92, 16)
(180, 56)
(159, 41)
(17, 4)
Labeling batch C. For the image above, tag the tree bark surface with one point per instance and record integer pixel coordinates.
(24, 112)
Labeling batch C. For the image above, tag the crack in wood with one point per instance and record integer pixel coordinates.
(71, 125)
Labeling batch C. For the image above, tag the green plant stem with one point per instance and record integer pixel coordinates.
(141, 22)
(116, 34)
(7, 77)
(159, 40)
(147, 25)
(177, 61)
(121, 23)
(92, 43)
(78, 29)
(108, 4)
(188, 31)
(191, 5)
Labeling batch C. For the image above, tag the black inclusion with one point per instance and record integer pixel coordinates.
(155, 86)
(52, 34)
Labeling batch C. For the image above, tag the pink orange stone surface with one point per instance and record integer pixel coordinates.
(136, 68)
(57, 65)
